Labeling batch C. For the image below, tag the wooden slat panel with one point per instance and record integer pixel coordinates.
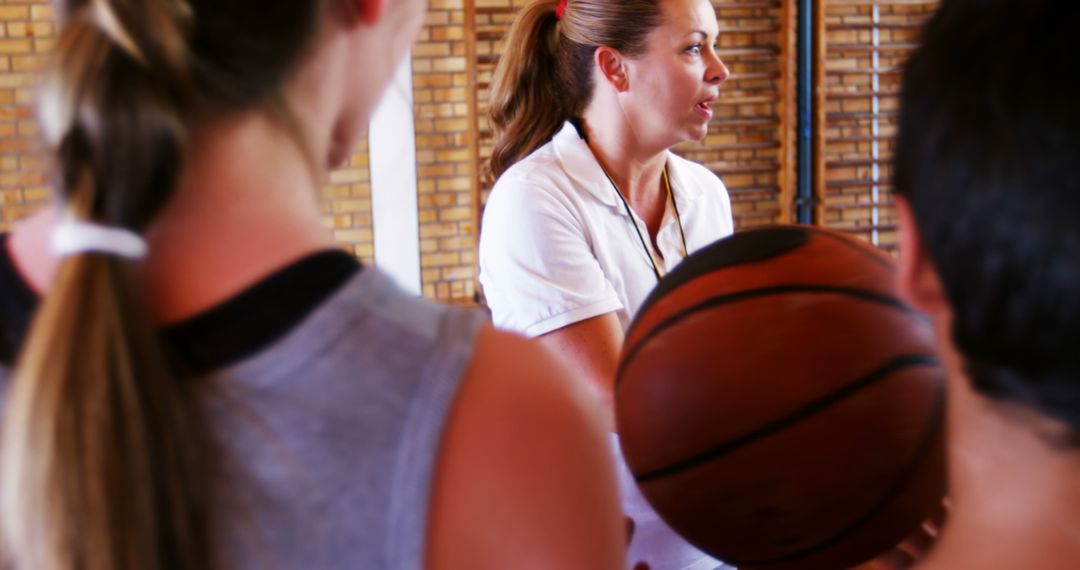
(865, 45)
(750, 139)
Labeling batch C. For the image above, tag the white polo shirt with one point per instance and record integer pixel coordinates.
(557, 246)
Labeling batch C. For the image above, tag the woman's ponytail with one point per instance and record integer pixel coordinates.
(100, 442)
(545, 75)
(528, 104)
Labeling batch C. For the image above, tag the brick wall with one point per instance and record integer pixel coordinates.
(750, 140)
(26, 32)
(751, 137)
(346, 205)
(865, 48)
(445, 169)
(750, 144)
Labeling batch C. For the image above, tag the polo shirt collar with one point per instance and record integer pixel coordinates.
(683, 184)
(580, 164)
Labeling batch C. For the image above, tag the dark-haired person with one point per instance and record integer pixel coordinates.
(591, 207)
(989, 200)
(195, 376)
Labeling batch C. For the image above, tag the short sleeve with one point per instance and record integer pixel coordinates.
(537, 267)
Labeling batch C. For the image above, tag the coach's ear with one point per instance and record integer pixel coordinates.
(920, 285)
(612, 66)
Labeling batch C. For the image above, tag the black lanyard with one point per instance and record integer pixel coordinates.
(641, 237)
(576, 122)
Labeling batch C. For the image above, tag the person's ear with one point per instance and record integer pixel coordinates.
(612, 67)
(920, 285)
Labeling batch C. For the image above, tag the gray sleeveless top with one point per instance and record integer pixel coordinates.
(330, 436)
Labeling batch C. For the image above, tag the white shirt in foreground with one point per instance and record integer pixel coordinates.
(557, 246)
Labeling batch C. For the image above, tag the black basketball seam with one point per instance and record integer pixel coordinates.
(906, 474)
(727, 298)
(748, 246)
(851, 243)
(896, 364)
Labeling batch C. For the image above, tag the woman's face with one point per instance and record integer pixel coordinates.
(673, 82)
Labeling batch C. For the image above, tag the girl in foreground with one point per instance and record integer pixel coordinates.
(196, 377)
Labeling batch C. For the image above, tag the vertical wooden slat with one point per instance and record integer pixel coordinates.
(440, 79)
(746, 141)
(788, 112)
(471, 143)
(867, 42)
(819, 108)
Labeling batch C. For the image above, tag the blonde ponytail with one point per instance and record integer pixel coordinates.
(99, 440)
(103, 464)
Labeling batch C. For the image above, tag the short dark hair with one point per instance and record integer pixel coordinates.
(988, 156)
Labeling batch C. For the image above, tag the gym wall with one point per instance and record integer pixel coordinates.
(751, 145)
(26, 32)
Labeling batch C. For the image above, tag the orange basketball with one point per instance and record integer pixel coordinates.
(779, 406)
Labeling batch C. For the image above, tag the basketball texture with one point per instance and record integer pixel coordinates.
(779, 406)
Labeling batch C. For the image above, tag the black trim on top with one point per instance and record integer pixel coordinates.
(260, 315)
(222, 335)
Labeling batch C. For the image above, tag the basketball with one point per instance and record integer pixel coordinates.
(779, 406)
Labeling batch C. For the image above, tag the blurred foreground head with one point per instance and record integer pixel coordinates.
(987, 158)
(104, 466)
